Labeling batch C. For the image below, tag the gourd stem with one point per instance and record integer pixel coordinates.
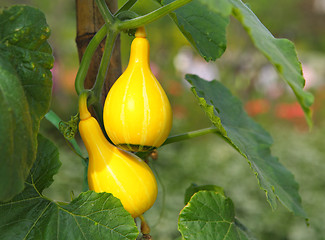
(145, 229)
(141, 32)
(126, 6)
(152, 16)
(53, 118)
(189, 135)
(86, 59)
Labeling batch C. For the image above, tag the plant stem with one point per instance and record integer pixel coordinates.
(105, 61)
(126, 6)
(189, 135)
(86, 59)
(101, 75)
(55, 120)
(145, 229)
(106, 13)
(152, 16)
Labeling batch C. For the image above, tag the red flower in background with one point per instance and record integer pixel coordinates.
(289, 111)
(257, 106)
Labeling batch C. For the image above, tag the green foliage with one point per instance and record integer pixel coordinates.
(204, 23)
(25, 63)
(25, 91)
(30, 211)
(249, 139)
(210, 216)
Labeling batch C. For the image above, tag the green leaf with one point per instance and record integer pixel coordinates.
(30, 215)
(280, 52)
(203, 23)
(250, 140)
(191, 190)
(243, 232)
(210, 216)
(17, 143)
(25, 91)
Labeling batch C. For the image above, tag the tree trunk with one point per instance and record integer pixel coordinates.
(89, 21)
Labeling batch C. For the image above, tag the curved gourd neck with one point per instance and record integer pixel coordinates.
(89, 129)
(140, 50)
(93, 137)
(83, 108)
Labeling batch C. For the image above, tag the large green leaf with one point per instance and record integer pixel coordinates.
(17, 143)
(280, 52)
(30, 215)
(210, 216)
(203, 23)
(249, 139)
(25, 91)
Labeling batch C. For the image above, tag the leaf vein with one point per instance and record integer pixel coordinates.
(30, 230)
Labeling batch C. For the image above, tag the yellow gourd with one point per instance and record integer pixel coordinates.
(114, 170)
(137, 113)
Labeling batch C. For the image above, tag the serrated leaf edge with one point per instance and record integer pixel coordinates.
(270, 199)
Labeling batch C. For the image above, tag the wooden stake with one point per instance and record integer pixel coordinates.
(89, 21)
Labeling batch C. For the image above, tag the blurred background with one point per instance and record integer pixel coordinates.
(208, 159)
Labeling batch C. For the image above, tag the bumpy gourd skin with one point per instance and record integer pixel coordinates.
(137, 113)
(116, 171)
